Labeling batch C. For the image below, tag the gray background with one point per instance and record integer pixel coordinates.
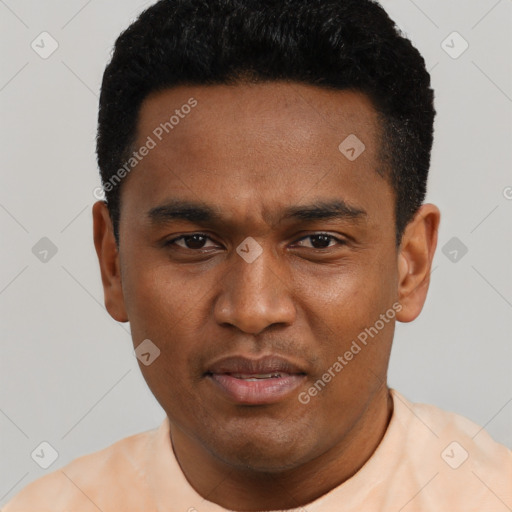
(68, 374)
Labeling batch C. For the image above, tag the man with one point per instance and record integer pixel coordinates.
(265, 166)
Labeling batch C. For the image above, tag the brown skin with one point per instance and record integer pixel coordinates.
(250, 151)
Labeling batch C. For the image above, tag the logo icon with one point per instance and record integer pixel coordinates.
(352, 147)
(454, 455)
(454, 250)
(44, 250)
(44, 455)
(454, 45)
(44, 45)
(249, 249)
(147, 352)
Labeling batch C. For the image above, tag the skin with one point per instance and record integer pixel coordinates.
(250, 151)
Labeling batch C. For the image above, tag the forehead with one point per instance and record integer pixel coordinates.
(305, 117)
(258, 147)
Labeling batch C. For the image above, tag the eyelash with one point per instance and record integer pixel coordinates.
(182, 237)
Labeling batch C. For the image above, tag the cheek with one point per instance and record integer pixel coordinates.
(164, 310)
(349, 298)
(160, 303)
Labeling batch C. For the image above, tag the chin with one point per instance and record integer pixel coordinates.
(264, 463)
(265, 454)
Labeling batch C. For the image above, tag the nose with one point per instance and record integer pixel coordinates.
(255, 295)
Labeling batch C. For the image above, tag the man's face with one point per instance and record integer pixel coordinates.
(242, 339)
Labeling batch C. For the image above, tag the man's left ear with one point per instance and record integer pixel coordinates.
(415, 261)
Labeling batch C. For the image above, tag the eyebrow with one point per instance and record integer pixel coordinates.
(198, 212)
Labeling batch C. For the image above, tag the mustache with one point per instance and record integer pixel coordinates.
(289, 349)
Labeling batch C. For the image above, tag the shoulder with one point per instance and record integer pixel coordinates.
(457, 457)
(115, 474)
(445, 425)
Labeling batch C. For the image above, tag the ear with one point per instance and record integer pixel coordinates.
(108, 256)
(415, 261)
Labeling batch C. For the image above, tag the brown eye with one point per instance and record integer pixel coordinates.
(193, 242)
(322, 241)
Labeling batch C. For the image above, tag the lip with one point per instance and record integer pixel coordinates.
(266, 380)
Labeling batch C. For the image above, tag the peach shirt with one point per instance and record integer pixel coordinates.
(429, 460)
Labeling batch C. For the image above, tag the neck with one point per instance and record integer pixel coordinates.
(246, 490)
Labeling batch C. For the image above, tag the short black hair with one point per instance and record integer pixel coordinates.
(335, 44)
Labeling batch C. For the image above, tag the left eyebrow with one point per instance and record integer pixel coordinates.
(324, 210)
(198, 212)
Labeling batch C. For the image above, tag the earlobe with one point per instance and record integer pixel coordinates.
(108, 257)
(415, 261)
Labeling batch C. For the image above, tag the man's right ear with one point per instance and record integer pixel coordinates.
(108, 256)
